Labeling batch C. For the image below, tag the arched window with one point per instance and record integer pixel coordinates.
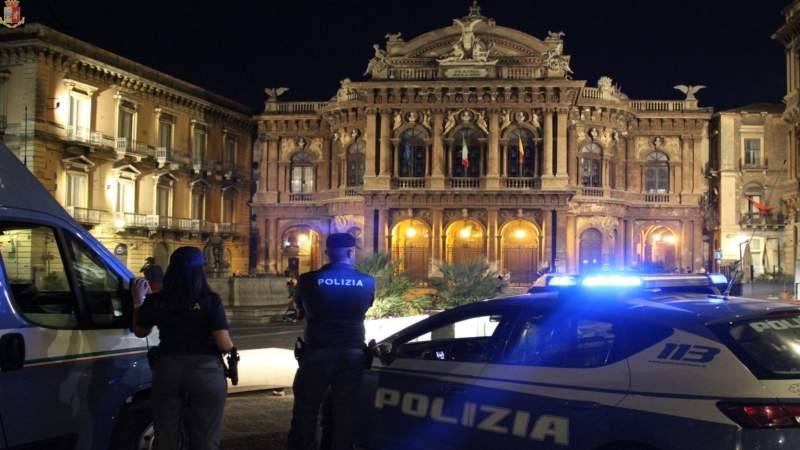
(522, 154)
(302, 172)
(411, 158)
(656, 173)
(466, 153)
(355, 164)
(591, 162)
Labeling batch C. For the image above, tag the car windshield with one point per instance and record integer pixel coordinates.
(770, 346)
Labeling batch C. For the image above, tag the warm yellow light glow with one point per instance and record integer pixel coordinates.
(520, 233)
(119, 222)
(411, 232)
(465, 232)
(671, 239)
(302, 238)
(656, 237)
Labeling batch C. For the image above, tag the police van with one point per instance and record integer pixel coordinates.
(605, 362)
(72, 374)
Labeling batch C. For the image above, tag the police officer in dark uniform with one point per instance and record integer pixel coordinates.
(188, 372)
(333, 300)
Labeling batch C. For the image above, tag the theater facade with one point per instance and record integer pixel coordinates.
(478, 141)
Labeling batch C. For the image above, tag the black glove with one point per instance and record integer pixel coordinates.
(299, 348)
(369, 353)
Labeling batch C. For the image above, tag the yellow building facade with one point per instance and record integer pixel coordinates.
(789, 36)
(749, 179)
(145, 161)
(474, 141)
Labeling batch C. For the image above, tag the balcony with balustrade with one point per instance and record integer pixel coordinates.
(464, 183)
(409, 183)
(125, 221)
(85, 216)
(763, 221)
(521, 183)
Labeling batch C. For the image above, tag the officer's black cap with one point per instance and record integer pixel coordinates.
(187, 257)
(340, 240)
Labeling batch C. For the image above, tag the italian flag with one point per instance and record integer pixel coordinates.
(464, 151)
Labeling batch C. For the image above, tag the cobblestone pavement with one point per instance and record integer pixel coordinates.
(256, 421)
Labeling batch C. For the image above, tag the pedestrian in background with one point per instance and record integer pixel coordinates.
(152, 273)
(334, 301)
(188, 364)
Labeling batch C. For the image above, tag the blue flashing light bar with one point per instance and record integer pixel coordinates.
(562, 281)
(718, 278)
(611, 281)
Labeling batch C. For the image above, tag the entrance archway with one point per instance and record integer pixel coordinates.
(465, 241)
(591, 250)
(520, 250)
(301, 251)
(660, 248)
(411, 248)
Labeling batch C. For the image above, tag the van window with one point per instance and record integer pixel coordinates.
(102, 289)
(34, 267)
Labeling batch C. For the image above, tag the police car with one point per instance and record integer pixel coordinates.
(607, 362)
(72, 374)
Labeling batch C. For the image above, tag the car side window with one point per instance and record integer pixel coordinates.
(561, 340)
(464, 339)
(102, 289)
(34, 267)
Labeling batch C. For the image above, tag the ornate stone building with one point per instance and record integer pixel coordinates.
(749, 178)
(145, 161)
(789, 35)
(474, 140)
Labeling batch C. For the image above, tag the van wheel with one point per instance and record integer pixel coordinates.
(134, 430)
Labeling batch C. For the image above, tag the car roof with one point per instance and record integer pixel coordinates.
(19, 189)
(698, 308)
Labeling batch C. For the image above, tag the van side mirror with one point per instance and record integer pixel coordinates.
(12, 352)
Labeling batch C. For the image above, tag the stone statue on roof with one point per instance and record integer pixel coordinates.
(378, 65)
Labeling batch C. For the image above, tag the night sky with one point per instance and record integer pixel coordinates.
(236, 48)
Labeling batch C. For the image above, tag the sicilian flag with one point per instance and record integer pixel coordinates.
(464, 151)
(521, 146)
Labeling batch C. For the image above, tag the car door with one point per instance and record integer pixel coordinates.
(417, 396)
(558, 381)
(67, 306)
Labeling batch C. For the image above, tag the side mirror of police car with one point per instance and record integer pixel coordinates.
(384, 352)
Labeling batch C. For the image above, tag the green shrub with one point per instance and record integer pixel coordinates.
(392, 289)
(463, 283)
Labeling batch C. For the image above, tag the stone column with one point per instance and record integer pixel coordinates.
(686, 179)
(619, 250)
(630, 245)
(560, 227)
(273, 246)
(493, 238)
(700, 157)
(384, 233)
(370, 228)
(561, 147)
(437, 159)
(684, 246)
(547, 170)
(572, 159)
(384, 177)
(571, 247)
(262, 246)
(263, 164)
(437, 219)
(330, 165)
(697, 245)
(371, 151)
(493, 163)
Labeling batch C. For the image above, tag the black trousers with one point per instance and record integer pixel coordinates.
(201, 380)
(321, 370)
